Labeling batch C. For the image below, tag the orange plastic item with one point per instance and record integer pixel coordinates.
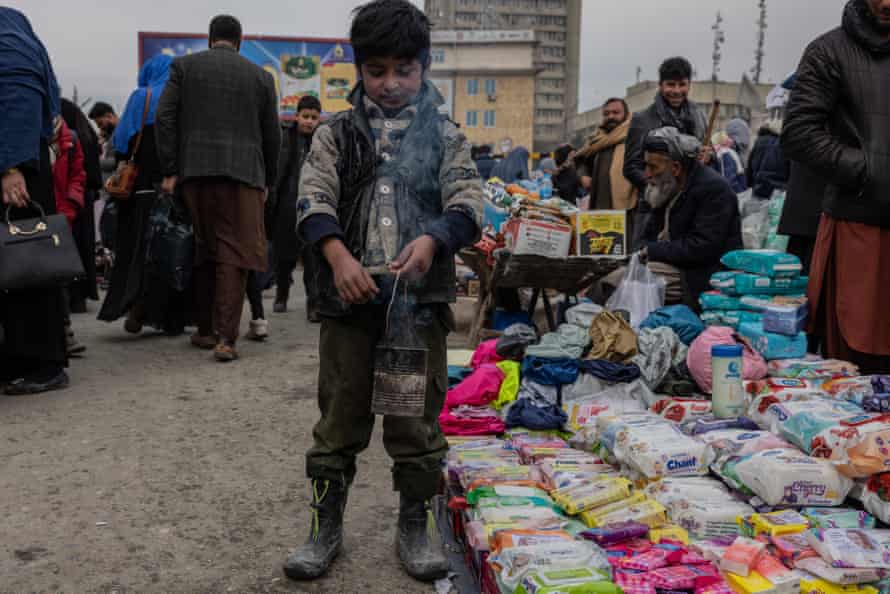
(514, 189)
(506, 539)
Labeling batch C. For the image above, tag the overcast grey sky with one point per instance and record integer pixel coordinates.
(92, 43)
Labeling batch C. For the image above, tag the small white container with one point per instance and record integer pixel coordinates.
(728, 393)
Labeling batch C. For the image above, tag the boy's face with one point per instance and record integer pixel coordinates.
(392, 83)
(307, 121)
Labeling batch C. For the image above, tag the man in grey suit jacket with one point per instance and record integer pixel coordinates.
(218, 140)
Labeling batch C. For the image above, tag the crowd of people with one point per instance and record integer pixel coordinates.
(377, 200)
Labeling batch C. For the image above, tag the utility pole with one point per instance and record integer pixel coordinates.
(719, 40)
(759, 53)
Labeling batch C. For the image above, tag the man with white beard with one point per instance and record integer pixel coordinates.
(696, 217)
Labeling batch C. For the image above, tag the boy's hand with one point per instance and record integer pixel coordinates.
(415, 260)
(353, 282)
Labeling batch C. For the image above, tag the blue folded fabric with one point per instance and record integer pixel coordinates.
(678, 318)
(550, 372)
(457, 374)
(616, 373)
(535, 415)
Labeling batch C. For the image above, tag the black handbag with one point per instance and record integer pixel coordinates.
(171, 242)
(37, 253)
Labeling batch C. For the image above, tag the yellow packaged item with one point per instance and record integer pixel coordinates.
(590, 495)
(753, 583)
(669, 532)
(649, 512)
(613, 507)
(778, 523)
(810, 584)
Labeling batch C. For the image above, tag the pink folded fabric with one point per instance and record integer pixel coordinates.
(480, 388)
(471, 420)
(486, 352)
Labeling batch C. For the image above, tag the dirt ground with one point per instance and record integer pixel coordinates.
(160, 470)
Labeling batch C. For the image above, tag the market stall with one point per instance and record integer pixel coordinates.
(673, 453)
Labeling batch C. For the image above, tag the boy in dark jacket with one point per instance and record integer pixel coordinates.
(388, 193)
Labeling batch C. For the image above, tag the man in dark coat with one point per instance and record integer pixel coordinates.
(484, 162)
(838, 123)
(218, 136)
(672, 107)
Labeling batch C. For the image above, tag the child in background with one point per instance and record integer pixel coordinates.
(388, 185)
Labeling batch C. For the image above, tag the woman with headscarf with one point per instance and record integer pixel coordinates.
(513, 167)
(84, 226)
(33, 355)
(134, 291)
(729, 162)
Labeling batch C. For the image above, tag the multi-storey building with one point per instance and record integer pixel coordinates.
(557, 27)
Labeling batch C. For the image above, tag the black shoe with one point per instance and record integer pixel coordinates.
(36, 385)
(281, 296)
(419, 542)
(313, 316)
(79, 306)
(280, 306)
(313, 559)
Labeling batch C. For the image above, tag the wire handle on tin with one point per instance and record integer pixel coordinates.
(392, 299)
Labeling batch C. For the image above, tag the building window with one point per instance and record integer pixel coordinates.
(472, 86)
(437, 56)
(491, 87)
(488, 119)
(472, 119)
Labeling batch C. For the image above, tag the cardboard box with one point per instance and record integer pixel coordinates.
(601, 234)
(538, 238)
(473, 288)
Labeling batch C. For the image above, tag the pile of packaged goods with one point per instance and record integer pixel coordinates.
(675, 458)
(762, 298)
(528, 219)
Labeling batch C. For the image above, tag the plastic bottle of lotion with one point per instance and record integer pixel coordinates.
(728, 396)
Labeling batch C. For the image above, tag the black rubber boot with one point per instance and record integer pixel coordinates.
(313, 559)
(419, 542)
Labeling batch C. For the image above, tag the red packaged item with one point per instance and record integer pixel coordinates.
(648, 561)
(681, 577)
(634, 583)
(712, 585)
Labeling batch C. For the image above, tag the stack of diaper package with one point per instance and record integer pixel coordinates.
(762, 298)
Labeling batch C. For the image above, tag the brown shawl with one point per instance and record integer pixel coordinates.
(624, 195)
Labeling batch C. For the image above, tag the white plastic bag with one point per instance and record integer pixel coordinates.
(640, 293)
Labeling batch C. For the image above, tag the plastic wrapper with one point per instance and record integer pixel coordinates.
(669, 533)
(732, 318)
(780, 385)
(759, 409)
(812, 367)
(836, 575)
(738, 442)
(777, 573)
(828, 517)
(754, 583)
(741, 283)
(611, 401)
(615, 533)
(791, 547)
(634, 583)
(515, 563)
(785, 477)
(672, 491)
(580, 580)
(505, 539)
(681, 577)
(582, 497)
(678, 410)
(800, 420)
(741, 557)
(789, 320)
(650, 560)
(810, 584)
(715, 300)
(775, 523)
(653, 446)
(771, 263)
(771, 345)
(706, 425)
(648, 512)
(849, 548)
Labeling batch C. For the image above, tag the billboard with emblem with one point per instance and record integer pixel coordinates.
(323, 68)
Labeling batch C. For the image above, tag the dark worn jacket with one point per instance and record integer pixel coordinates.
(218, 117)
(433, 175)
(768, 169)
(803, 202)
(704, 225)
(838, 119)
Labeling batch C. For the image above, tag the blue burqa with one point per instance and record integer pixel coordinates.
(29, 92)
(153, 75)
(513, 167)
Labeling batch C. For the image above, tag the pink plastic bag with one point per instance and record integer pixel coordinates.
(486, 352)
(699, 357)
(479, 389)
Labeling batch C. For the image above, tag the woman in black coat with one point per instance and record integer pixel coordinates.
(33, 356)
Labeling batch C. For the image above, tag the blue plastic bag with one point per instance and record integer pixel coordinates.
(679, 318)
